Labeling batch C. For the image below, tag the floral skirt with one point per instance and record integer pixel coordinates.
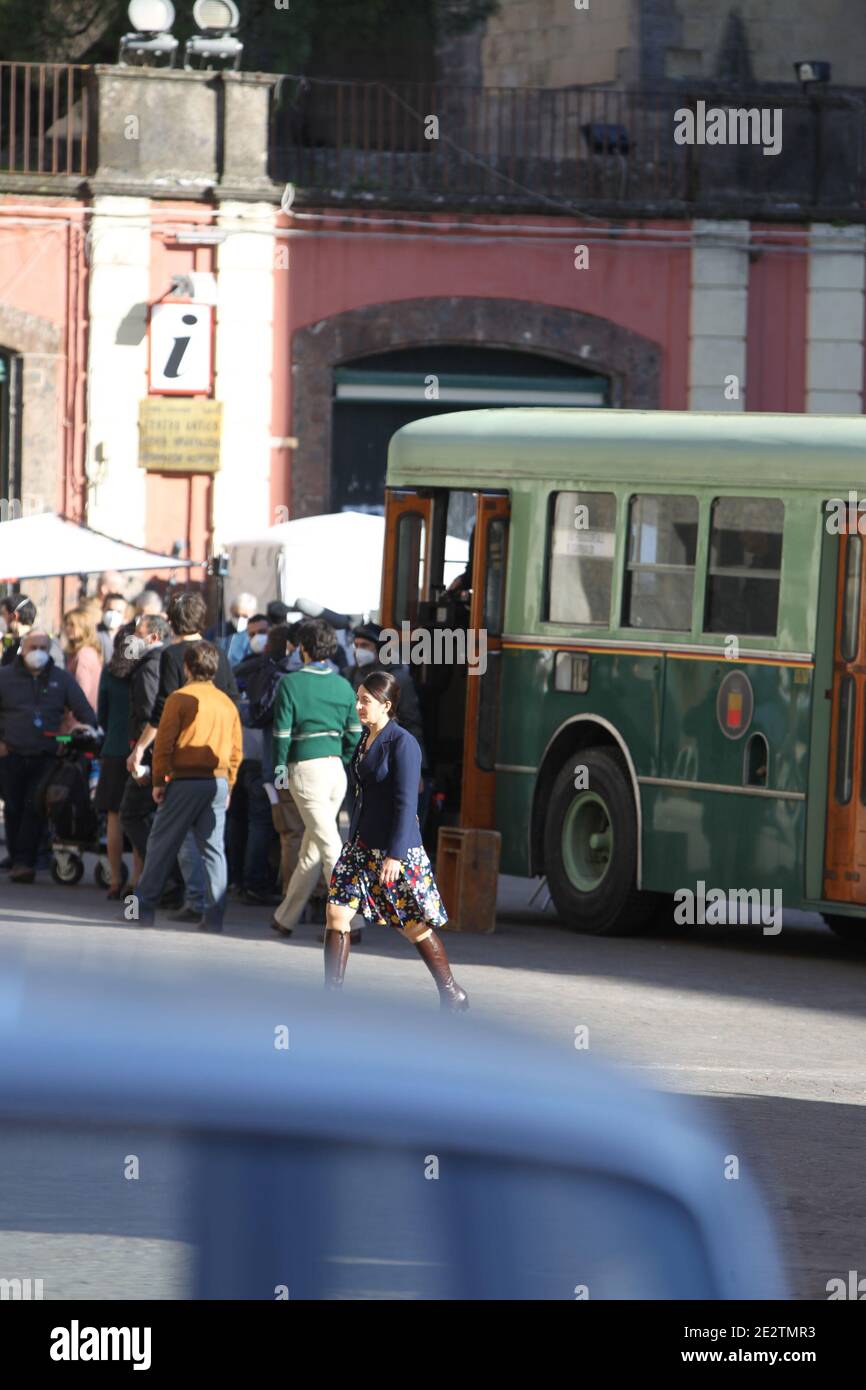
(411, 903)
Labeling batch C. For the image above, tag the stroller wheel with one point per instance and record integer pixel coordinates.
(67, 868)
(102, 872)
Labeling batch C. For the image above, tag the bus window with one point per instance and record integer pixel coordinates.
(845, 742)
(851, 612)
(660, 573)
(581, 558)
(745, 566)
(494, 586)
(410, 567)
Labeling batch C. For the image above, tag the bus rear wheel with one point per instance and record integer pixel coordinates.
(590, 848)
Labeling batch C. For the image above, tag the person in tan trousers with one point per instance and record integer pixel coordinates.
(315, 732)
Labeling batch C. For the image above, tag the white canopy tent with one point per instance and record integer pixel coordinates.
(334, 560)
(46, 545)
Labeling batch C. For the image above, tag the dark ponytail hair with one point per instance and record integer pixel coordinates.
(120, 663)
(383, 686)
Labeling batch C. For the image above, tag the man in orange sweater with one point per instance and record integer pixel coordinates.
(196, 757)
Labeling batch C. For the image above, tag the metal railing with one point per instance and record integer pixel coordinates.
(44, 119)
(572, 146)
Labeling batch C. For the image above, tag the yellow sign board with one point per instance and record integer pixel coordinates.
(179, 434)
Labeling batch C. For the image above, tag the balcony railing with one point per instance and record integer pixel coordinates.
(573, 147)
(44, 119)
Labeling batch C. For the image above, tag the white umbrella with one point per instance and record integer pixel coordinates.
(45, 545)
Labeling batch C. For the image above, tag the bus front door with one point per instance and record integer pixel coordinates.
(458, 679)
(484, 661)
(406, 560)
(845, 844)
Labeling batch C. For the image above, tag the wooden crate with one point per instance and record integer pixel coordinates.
(467, 869)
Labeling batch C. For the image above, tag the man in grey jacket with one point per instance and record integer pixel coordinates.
(34, 696)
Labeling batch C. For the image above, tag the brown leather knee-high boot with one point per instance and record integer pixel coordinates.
(336, 955)
(452, 998)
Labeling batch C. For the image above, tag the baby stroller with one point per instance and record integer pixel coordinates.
(74, 823)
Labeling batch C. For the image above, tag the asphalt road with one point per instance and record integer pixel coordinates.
(767, 1031)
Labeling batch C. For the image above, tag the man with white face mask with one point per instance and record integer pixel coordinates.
(21, 616)
(113, 613)
(35, 694)
(242, 609)
(251, 642)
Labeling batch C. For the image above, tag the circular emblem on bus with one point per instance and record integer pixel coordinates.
(735, 704)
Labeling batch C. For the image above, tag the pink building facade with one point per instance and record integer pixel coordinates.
(681, 312)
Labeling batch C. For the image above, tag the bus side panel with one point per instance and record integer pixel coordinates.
(729, 839)
(726, 841)
(514, 791)
(624, 690)
(694, 746)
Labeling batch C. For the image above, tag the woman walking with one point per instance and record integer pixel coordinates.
(383, 871)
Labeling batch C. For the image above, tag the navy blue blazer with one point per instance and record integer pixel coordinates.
(385, 787)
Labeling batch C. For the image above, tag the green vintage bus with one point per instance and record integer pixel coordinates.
(673, 691)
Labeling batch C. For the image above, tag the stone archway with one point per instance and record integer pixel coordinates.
(632, 362)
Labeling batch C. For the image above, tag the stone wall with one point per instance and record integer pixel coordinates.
(552, 43)
(761, 39)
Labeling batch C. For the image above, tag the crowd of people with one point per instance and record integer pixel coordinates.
(225, 761)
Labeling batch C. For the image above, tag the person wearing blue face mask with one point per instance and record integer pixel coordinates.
(35, 694)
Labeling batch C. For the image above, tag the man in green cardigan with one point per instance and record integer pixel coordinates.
(316, 731)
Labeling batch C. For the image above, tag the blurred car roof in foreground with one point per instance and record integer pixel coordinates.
(347, 1147)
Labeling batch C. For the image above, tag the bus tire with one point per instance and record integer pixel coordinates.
(850, 929)
(590, 848)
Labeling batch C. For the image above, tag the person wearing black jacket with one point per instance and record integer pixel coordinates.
(368, 645)
(34, 696)
(260, 674)
(143, 648)
(249, 825)
(383, 871)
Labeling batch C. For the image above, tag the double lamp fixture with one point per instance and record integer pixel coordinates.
(153, 45)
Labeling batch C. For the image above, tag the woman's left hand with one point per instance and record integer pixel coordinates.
(390, 870)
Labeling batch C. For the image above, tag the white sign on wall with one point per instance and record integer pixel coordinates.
(181, 349)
